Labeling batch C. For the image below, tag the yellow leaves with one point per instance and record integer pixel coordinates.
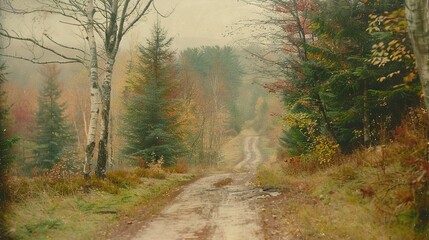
(395, 51)
(325, 148)
(302, 121)
(393, 42)
(393, 25)
(393, 22)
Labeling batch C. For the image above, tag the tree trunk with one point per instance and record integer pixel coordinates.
(366, 134)
(105, 117)
(322, 110)
(90, 141)
(111, 160)
(418, 30)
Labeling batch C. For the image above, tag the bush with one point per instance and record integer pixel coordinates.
(180, 167)
(123, 178)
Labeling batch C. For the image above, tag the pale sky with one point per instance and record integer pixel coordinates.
(199, 22)
(192, 23)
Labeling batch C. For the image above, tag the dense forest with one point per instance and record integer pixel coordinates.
(333, 92)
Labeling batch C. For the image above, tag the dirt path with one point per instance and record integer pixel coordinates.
(219, 206)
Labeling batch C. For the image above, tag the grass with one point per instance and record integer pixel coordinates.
(85, 215)
(370, 194)
(329, 204)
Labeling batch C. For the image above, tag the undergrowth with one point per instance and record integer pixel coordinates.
(375, 193)
(61, 182)
(70, 207)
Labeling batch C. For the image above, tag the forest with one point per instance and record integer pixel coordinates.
(306, 119)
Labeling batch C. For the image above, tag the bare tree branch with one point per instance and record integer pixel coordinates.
(36, 61)
(5, 34)
(139, 16)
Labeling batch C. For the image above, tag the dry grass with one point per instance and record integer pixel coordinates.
(232, 151)
(329, 205)
(370, 194)
(84, 212)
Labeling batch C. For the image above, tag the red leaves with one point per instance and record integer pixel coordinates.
(279, 86)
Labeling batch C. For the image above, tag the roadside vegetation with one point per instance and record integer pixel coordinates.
(372, 193)
(352, 157)
(65, 206)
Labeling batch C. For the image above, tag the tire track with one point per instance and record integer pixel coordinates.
(206, 210)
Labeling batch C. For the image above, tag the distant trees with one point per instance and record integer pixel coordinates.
(187, 105)
(152, 127)
(210, 79)
(53, 134)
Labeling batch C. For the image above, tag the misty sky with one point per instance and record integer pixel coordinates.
(192, 23)
(201, 22)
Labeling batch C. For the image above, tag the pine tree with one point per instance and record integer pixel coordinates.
(151, 122)
(5, 145)
(53, 134)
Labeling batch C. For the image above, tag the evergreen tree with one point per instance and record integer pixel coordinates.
(53, 133)
(336, 91)
(151, 121)
(5, 145)
(357, 101)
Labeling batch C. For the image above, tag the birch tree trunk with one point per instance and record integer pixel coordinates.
(417, 12)
(113, 33)
(92, 128)
(105, 117)
(418, 29)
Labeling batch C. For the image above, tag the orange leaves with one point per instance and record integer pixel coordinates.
(410, 77)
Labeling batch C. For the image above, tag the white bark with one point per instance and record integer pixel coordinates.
(118, 23)
(417, 12)
(92, 130)
(105, 116)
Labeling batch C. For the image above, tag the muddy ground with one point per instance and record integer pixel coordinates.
(217, 206)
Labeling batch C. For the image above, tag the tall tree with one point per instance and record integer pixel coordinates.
(151, 121)
(418, 30)
(108, 21)
(53, 132)
(5, 145)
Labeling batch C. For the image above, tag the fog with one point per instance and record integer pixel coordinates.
(200, 22)
(192, 23)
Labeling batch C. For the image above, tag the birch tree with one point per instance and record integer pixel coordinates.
(417, 13)
(105, 21)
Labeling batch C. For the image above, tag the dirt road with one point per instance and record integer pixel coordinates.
(218, 206)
